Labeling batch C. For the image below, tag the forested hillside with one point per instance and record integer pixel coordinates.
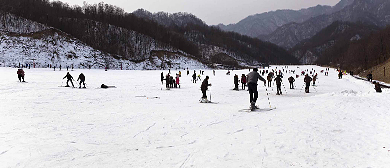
(338, 34)
(110, 29)
(359, 55)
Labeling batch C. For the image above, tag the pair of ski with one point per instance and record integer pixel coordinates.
(256, 109)
(74, 87)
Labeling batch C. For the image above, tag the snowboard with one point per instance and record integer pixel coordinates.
(67, 86)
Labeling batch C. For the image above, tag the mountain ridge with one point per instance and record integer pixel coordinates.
(265, 23)
(373, 12)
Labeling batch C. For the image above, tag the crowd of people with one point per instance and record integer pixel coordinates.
(248, 81)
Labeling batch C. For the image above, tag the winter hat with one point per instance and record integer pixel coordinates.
(255, 69)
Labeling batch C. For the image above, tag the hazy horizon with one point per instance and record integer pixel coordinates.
(211, 12)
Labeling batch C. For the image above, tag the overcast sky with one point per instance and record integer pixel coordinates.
(211, 11)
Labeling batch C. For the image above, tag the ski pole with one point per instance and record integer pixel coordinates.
(284, 87)
(269, 102)
(315, 88)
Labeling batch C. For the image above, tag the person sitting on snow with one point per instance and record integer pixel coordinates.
(377, 87)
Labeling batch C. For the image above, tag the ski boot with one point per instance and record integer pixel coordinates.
(253, 106)
(204, 100)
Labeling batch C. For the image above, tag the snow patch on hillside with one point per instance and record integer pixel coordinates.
(56, 50)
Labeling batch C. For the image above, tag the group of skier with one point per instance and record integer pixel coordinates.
(70, 79)
(243, 82)
(170, 82)
(249, 80)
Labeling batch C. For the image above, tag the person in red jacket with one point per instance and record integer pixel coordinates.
(20, 73)
(243, 81)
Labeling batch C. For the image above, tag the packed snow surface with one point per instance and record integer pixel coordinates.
(340, 123)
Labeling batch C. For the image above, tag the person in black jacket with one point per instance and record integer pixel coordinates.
(204, 87)
(162, 78)
(70, 78)
(167, 77)
(194, 77)
(278, 81)
(369, 77)
(235, 82)
(291, 80)
(307, 80)
(377, 87)
(82, 79)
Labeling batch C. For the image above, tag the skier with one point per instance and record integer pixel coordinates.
(314, 79)
(369, 77)
(228, 72)
(20, 73)
(60, 67)
(162, 78)
(167, 81)
(70, 78)
(377, 87)
(194, 78)
(291, 80)
(188, 72)
(243, 81)
(278, 80)
(178, 80)
(307, 80)
(171, 81)
(252, 79)
(82, 80)
(235, 82)
(213, 72)
(269, 79)
(340, 74)
(204, 87)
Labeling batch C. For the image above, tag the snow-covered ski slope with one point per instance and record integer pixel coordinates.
(340, 123)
